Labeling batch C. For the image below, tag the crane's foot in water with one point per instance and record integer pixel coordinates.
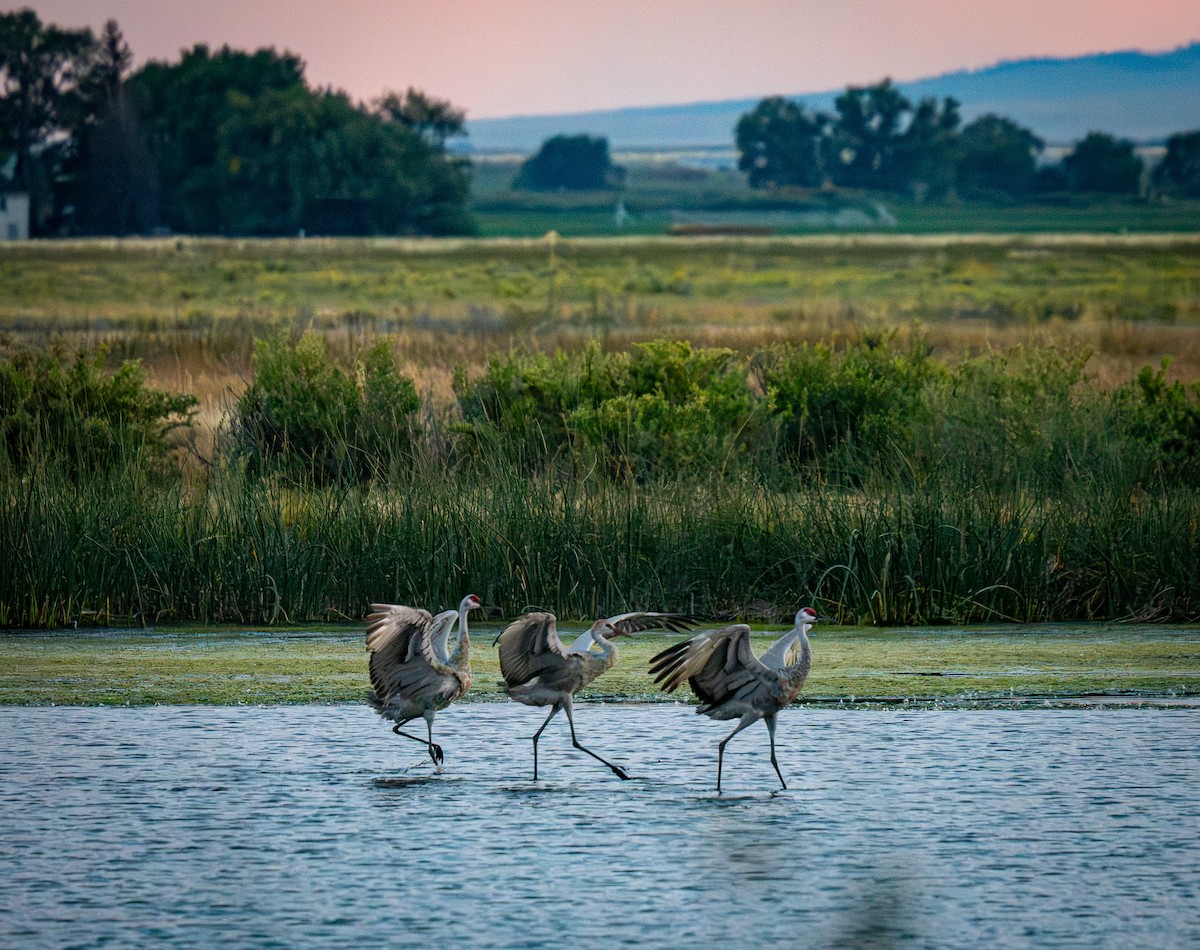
(620, 772)
(435, 753)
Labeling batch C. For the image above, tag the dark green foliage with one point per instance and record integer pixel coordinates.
(1166, 417)
(1179, 171)
(69, 411)
(307, 417)
(1101, 163)
(996, 154)
(662, 408)
(850, 411)
(244, 146)
(672, 410)
(779, 144)
(866, 134)
(570, 162)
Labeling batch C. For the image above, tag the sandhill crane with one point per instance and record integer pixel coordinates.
(412, 671)
(539, 671)
(732, 683)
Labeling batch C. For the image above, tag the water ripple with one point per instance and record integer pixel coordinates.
(304, 826)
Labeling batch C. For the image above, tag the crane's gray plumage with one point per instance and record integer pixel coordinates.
(412, 673)
(539, 670)
(732, 683)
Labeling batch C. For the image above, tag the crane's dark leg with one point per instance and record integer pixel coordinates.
(617, 770)
(746, 721)
(770, 720)
(537, 735)
(435, 750)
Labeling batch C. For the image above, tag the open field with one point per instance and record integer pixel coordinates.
(659, 192)
(192, 308)
(850, 664)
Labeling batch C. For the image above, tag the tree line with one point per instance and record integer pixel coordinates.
(878, 140)
(224, 142)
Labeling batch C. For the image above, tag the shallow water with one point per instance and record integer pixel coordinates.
(314, 825)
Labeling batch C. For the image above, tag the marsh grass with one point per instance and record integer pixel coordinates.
(1015, 503)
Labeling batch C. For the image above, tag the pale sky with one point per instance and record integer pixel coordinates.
(525, 57)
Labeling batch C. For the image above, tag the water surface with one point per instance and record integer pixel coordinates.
(294, 826)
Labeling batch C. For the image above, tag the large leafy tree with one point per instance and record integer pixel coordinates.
(245, 146)
(1101, 163)
(867, 133)
(116, 188)
(925, 158)
(572, 162)
(997, 154)
(182, 108)
(40, 66)
(780, 144)
(1179, 171)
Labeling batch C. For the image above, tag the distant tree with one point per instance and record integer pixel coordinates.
(1179, 171)
(996, 154)
(435, 120)
(1101, 163)
(572, 162)
(182, 107)
(779, 144)
(39, 68)
(926, 154)
(243, 145)
(291, 160)
(866, 133)
(116, 190)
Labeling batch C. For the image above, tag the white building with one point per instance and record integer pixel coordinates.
(14, 216)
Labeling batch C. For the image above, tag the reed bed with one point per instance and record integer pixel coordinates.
(236, 549)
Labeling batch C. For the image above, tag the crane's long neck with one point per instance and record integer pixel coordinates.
(803, 662)
(792, 651)
(462, 649)
(597, 661)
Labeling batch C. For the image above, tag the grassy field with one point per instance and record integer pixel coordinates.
(658, 194)
(850, 664)
(192, 308)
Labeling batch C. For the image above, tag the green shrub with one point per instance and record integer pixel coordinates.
(661, 408)
(850, 410)
(71, 411)
(1165, 418)
(307, 417)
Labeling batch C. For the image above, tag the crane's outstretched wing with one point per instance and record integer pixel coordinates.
(638, 621)
(718, 665)
(402, 659)
(530, 648)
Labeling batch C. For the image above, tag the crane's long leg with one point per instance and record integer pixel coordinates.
(770, 720)
(747, 720)
(617, 770)
(537, 735)
(435, 750)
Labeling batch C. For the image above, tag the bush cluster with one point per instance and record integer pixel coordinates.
(308, 417)
(866, 413)
(68, 410)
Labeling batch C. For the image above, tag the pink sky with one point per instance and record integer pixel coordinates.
(509, 57)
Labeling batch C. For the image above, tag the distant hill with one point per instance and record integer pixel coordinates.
(1142, 96)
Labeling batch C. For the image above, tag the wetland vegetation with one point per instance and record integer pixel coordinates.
(901, 431)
